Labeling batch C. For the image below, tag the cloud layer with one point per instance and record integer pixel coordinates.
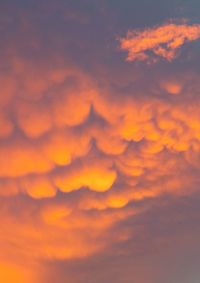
(93, 154)
(104, 152)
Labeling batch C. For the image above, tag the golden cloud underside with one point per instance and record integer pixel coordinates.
(62, 133)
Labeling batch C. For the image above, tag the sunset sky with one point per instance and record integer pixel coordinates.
(99, 141)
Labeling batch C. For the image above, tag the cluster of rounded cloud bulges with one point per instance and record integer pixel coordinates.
(62, 133)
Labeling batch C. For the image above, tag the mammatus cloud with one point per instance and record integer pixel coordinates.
(161, 41)
(67, 137)
(78, 157)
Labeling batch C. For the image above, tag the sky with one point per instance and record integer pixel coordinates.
(99, 141)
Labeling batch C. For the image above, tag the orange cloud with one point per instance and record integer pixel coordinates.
(75, 156)
(162, 41)
(87, 151)
(97, 175)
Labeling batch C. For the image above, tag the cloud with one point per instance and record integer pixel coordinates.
(83, 153)
(102, 152)
(160, 41)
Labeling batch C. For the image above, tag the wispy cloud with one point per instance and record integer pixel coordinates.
(160, 41)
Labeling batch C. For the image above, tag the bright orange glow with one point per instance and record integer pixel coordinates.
(95, 176)
(12, 273)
